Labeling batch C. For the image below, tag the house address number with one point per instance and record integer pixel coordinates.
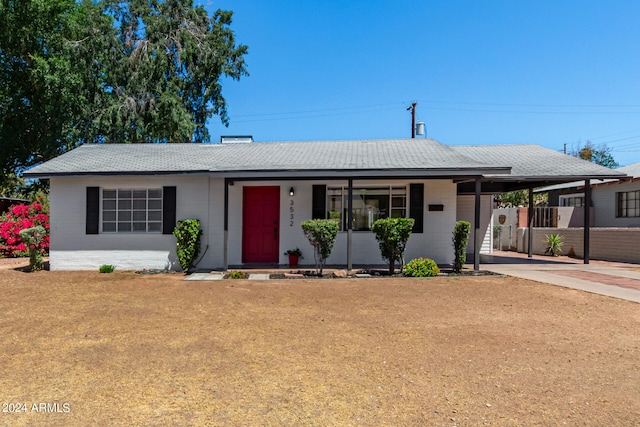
(291, 212)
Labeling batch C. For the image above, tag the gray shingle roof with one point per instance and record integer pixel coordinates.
(358, 155)
(530, 160)
(632, 170)
(398, 156)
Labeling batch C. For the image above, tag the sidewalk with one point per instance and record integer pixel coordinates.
(614, 279)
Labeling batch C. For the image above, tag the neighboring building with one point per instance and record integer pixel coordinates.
(118, 203)
(615, 203)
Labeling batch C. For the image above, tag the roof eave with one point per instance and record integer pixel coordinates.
(294, 173)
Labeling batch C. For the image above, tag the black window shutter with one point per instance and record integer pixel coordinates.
(93, 210)
(416, 206)
(319, 202)
(168, 209)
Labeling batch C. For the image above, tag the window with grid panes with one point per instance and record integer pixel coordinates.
(628, 204)
(369, 205)
(132, 210)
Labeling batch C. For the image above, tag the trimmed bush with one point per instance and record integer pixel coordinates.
(187, 235)
(33, 237)
(460, 241)
(421, 267)
(322, 235)
(107, 268)
(392, 235)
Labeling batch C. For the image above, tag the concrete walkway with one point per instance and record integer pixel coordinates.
(618, 280)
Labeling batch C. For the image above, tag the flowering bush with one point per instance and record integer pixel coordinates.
(18, 218)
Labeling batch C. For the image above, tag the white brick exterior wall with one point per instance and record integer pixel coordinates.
(203, 198)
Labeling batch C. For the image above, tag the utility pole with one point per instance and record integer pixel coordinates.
(412, 108)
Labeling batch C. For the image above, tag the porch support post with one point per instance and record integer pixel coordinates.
(587, 218)
(476, 227)
(530, 223)
(349, 225)
(227, 183)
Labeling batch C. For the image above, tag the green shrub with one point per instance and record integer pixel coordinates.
(237, 275)
(322, 235)
(554, 244)
(421, 267)
(460, 240)
(187, 235)
(32, 238)
(392, 235)
(107, 268)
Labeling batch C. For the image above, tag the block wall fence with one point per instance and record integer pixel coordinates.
(605, 243)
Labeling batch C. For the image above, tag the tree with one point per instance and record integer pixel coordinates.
(41, 86)
(321, 233)
(109, 71)
(520, 198)
(165, 81)
(392, 235)
(598, 154)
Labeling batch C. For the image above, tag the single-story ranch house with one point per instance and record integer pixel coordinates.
(118, 204)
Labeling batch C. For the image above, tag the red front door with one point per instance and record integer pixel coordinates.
(260, 224)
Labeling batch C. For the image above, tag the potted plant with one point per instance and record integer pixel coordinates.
(294, 255)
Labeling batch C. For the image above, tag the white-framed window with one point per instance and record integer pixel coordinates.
(572, 199)
(126, 210)
(369, 205)
(628, 204)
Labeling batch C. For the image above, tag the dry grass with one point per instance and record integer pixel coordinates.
(126, 349)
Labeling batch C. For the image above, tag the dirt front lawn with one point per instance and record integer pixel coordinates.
(83, 348)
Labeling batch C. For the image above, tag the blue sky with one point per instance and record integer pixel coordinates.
(483, 72)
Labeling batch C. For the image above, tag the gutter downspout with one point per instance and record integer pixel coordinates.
(587, 218)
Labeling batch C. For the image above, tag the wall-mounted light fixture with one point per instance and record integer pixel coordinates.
(291, 191)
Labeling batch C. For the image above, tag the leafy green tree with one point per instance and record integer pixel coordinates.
(42, 92)
(165, 81)
(520, 198)
(598, 154)
(392, 235)
(82, 71)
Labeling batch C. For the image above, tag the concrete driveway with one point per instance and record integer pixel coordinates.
(618, 280)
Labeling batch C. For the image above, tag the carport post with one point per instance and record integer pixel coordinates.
(530, 222)
(476, 227)
(587, 218)
(349, 225)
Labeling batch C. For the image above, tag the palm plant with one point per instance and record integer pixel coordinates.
(554, 244)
